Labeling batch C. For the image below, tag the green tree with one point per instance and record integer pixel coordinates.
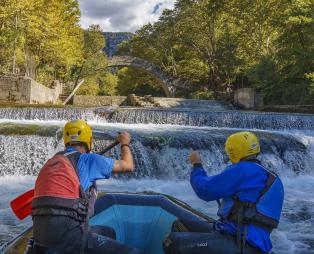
(54, 36)
(11, 39)
(287, 77)
(134, 81)
(187, 44)
(42, 37)
(94, 62)
(219, 45)
(89, 87)
(108, 84)
(296, 55)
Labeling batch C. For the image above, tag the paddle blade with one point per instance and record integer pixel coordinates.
(22, 205)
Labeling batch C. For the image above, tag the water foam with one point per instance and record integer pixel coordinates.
(161, 152)
(295, 234)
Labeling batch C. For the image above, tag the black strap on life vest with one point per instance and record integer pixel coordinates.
(84, 198)
(74, 158)
(245, 213)
(80, 207)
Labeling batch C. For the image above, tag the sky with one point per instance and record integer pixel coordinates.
(122, 15)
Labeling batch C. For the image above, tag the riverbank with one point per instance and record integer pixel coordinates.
(81, 101)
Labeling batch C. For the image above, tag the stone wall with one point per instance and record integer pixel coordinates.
(190, 103)
(248, 98)
(95, 101)
(42, 94)
(24, 90)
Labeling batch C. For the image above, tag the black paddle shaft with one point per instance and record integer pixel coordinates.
(109, 148)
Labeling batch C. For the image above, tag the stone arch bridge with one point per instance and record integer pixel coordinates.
(169, 84)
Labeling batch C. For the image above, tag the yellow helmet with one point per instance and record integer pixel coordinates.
(241, 145)
(78, 131)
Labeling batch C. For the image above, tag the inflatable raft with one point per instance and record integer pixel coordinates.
(142, 220)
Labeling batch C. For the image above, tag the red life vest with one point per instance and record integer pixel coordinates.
(57, 179)
(58, 191)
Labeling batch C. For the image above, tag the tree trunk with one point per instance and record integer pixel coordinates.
(14, 43)
(30, 64)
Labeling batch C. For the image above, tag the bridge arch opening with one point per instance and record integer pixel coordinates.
(138, 81)
(135, 62)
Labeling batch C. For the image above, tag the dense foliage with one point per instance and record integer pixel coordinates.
(93, 67)
(220, 45)
(40, 38)
(43, 39)
(215, 46)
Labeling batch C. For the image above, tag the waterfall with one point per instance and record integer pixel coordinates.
(46, 113)
(159, 152)
(228, 119)
(175, 116)
(25, 155)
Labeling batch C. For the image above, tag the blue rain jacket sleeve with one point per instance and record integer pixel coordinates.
(215, 187)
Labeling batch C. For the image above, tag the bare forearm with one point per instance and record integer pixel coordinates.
(126, 163)
(127, 158)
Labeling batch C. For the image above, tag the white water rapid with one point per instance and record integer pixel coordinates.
(160, 150)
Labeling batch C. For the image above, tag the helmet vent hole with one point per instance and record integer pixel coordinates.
(68, 134)
(79, 132)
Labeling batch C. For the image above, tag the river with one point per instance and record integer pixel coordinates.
(162, 140)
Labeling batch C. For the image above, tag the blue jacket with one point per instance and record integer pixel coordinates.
(244, 179)
(92, 167)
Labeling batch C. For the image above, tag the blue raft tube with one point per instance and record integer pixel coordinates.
(142, 220)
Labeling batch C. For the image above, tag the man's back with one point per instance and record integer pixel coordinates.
(244, 180)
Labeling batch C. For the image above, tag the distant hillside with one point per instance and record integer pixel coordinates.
(113, 40)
